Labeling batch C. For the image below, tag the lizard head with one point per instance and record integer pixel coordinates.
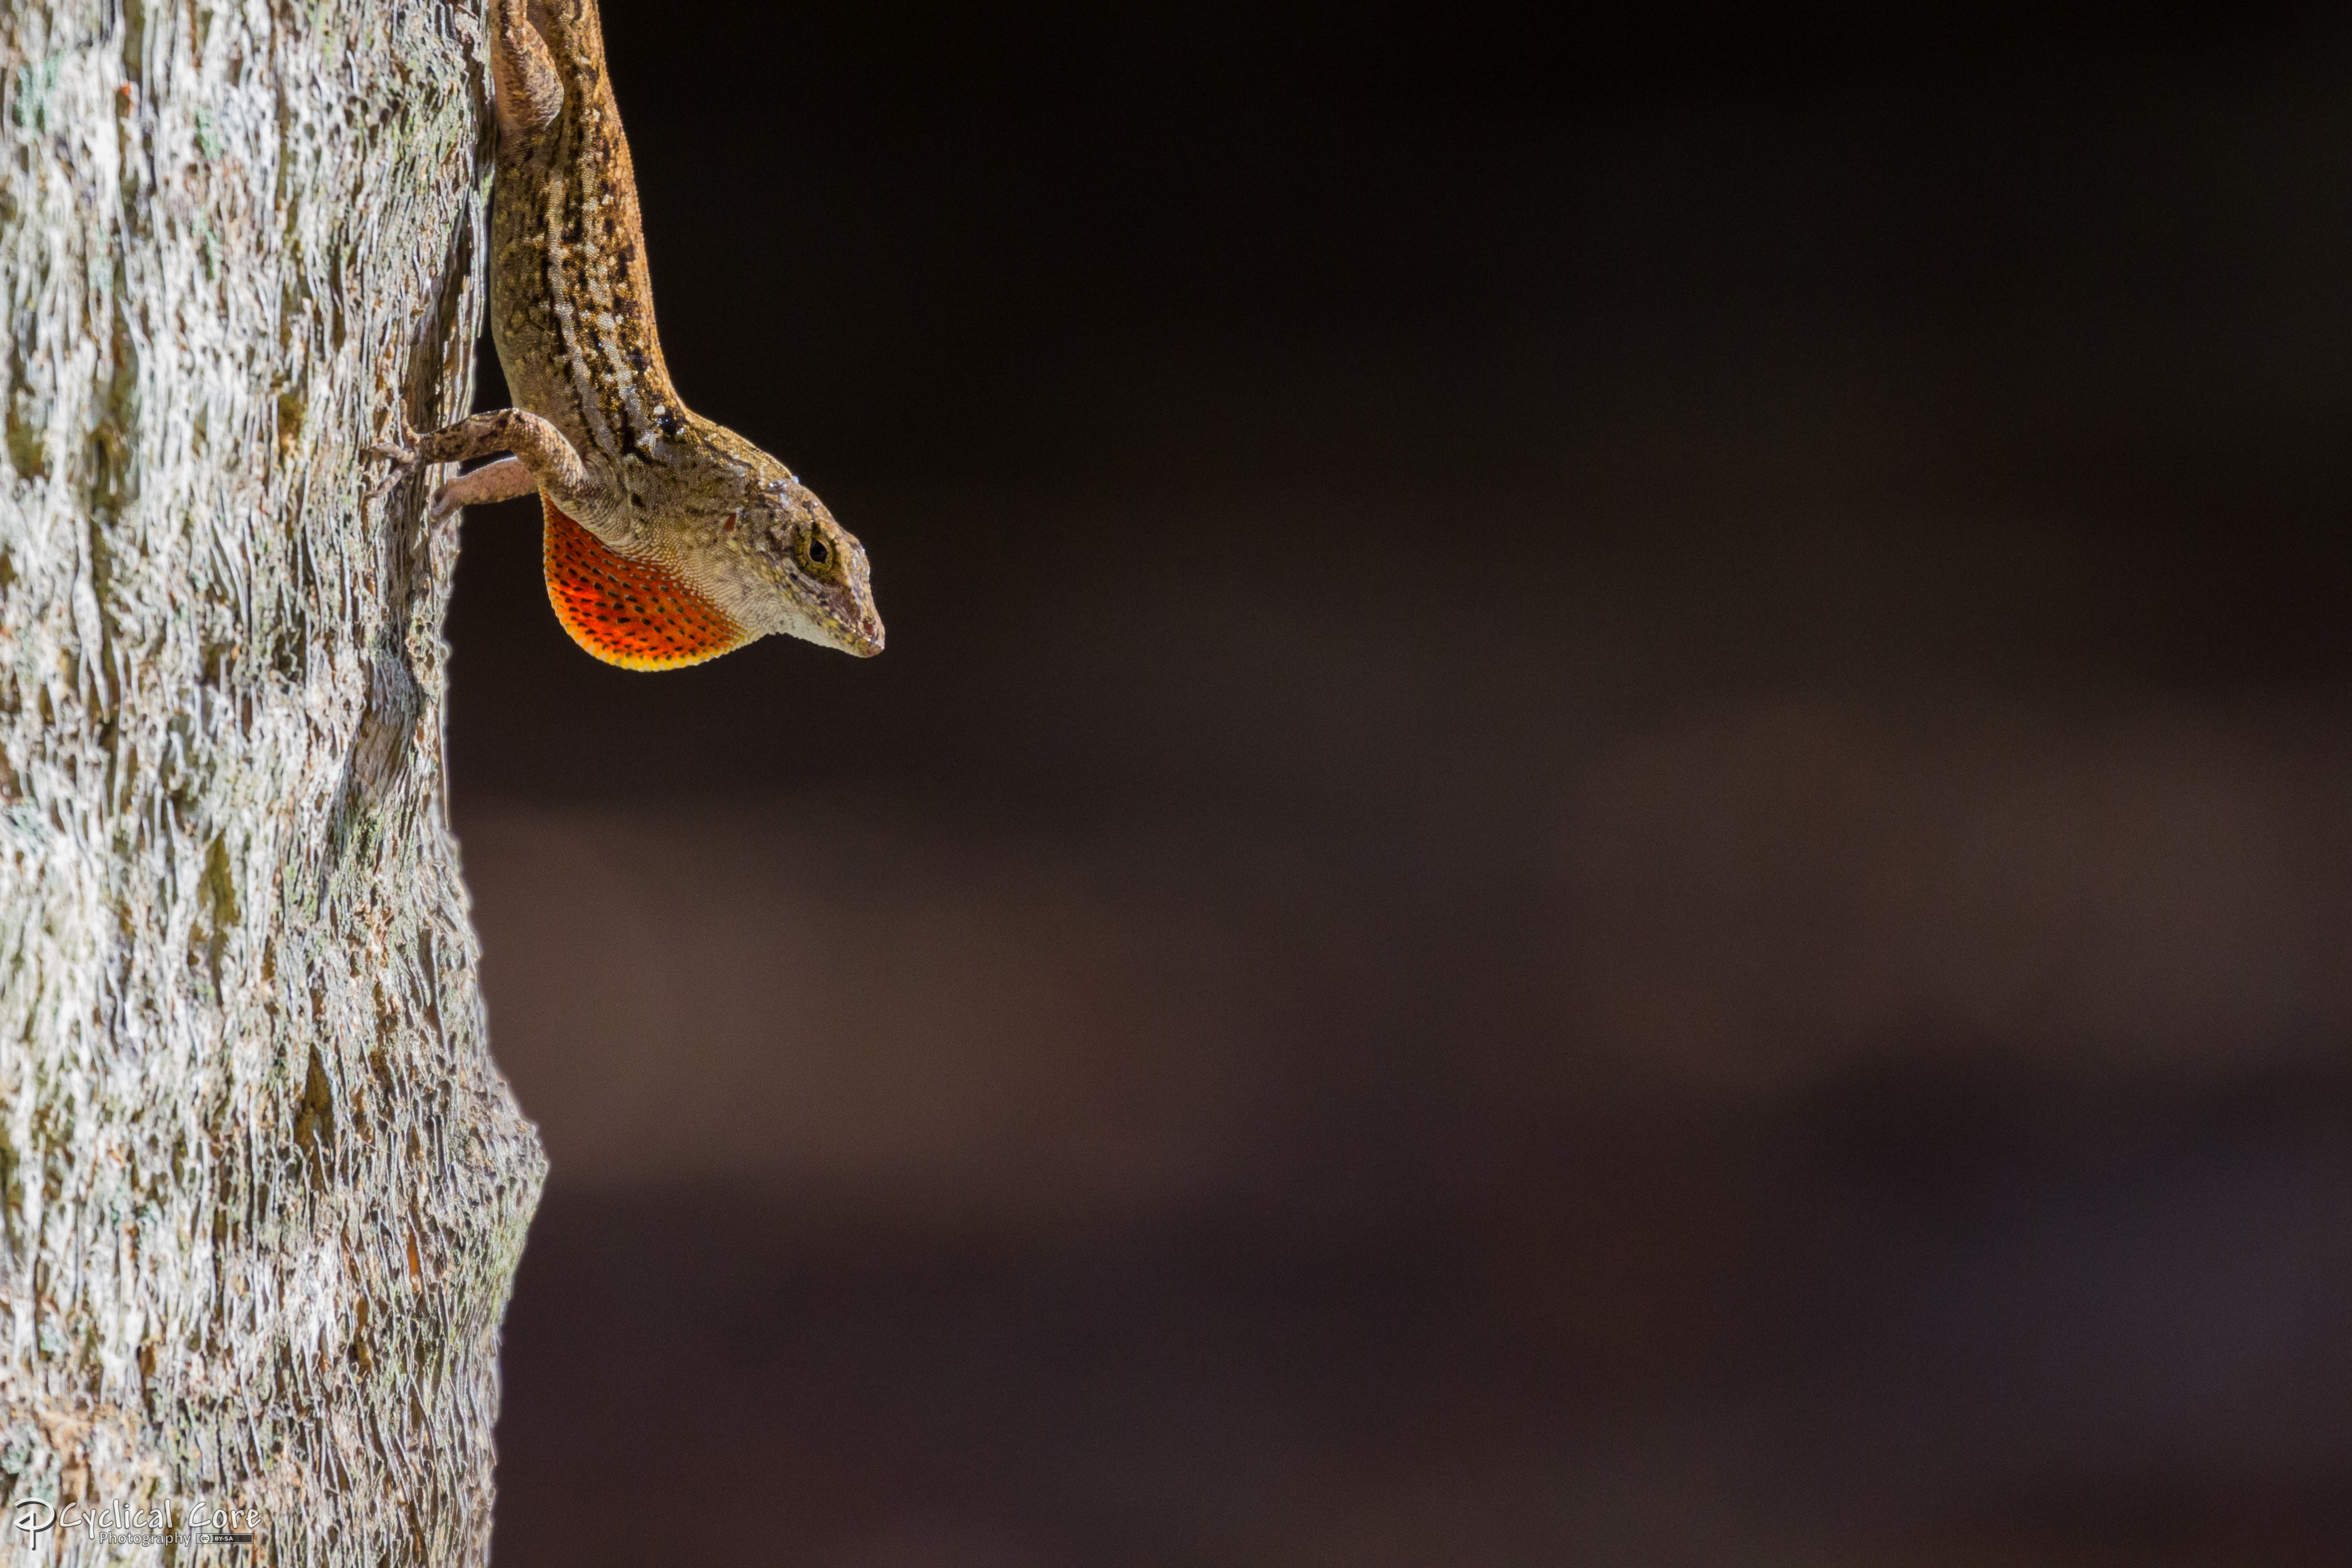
(818, 585)
(777, 562)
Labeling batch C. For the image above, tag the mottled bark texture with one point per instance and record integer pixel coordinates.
(263, 1191)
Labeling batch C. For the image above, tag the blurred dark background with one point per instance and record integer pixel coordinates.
(1610, 820)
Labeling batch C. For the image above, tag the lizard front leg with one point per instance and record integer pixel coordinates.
(499, 481)
(543, 459)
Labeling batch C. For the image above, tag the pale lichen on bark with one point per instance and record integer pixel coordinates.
(263, 1191)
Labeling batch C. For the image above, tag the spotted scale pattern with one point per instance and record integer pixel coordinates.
(572, 308)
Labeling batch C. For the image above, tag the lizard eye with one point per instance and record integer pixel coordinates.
(815, 553)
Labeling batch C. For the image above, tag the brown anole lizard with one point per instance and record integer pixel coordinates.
(668, 540)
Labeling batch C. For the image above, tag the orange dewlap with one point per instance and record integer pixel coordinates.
(638, 615)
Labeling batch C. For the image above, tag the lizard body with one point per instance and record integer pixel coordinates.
(669, 538)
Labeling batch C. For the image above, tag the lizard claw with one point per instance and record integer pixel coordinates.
(402, 456)
(439, 510)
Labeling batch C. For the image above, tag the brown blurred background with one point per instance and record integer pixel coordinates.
(1610, 820)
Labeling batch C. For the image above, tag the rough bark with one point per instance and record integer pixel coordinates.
(263, 1190)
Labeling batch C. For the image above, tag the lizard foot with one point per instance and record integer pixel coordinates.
(402, 457)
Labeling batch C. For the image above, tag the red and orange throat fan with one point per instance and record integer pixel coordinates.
(638, 615)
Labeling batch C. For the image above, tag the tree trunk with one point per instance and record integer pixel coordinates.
(263, 1190)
